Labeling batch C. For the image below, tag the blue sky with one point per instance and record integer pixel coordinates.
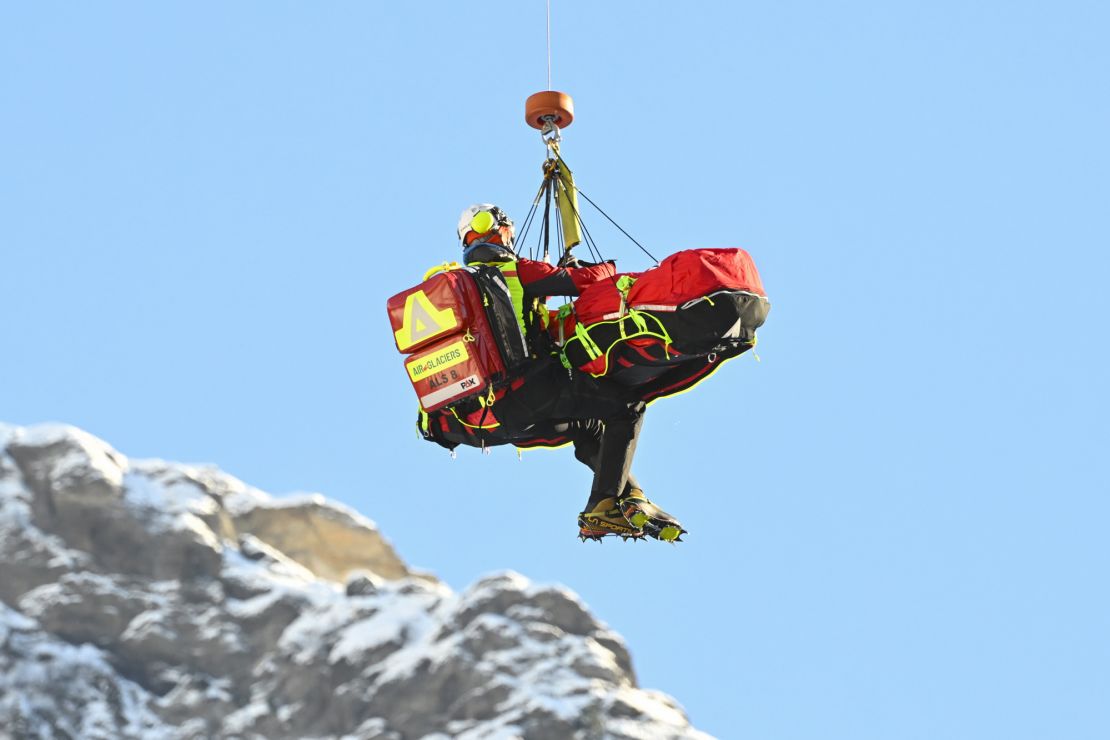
(897, 517)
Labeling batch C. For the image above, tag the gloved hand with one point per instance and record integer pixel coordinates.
(569, 260)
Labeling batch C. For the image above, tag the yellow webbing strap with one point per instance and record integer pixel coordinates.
(539, 309)
(639, 318)
(446, 266)
(588, 343)
(624, 284)
(565, 311)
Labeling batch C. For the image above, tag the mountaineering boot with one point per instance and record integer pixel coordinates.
(605, 518)
(649, 518)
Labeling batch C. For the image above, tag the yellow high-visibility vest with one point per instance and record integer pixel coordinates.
(516, 292)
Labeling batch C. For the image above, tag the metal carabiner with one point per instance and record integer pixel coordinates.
(550, 132)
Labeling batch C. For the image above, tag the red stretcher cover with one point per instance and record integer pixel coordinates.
(679, 278)
(696, 303)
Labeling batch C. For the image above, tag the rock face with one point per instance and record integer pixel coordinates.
(145, 599)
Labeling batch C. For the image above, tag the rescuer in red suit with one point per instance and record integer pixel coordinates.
(602, 418)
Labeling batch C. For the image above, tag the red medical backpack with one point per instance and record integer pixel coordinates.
(459, 331)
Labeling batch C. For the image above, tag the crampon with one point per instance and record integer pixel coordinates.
(649, 519)
(604, 520)
(594, 535)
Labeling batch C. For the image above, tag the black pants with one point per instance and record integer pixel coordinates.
(602, 419)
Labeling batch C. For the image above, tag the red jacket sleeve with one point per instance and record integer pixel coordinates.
(542, 279)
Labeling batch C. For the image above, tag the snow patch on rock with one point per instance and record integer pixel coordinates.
(84, 456)
(47, 685)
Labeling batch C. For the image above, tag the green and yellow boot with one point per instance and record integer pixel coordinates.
(649, 518)
(604, 519)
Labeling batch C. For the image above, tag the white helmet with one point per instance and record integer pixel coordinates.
(487, 222)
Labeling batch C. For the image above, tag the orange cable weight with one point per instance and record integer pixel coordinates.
(541, 105)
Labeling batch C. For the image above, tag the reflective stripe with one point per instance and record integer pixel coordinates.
(450, 391)
(422, 320)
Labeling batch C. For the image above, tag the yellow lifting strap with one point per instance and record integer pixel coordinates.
(566, 197)
(624, 284)
(564, 312)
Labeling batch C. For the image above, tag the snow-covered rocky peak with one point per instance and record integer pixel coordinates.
(158, 600)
